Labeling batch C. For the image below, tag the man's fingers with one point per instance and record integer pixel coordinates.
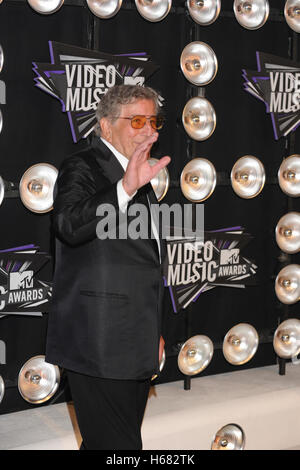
(142, 150)
(147, 144)
(162, 163)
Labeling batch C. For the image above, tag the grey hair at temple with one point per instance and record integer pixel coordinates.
(119, 95)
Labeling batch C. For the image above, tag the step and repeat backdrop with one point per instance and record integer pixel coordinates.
(229, 82)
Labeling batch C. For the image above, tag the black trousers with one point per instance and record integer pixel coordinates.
(109, 412)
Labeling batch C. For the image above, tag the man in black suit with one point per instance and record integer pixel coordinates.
(105, 323)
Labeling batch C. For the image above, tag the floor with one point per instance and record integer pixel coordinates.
(263, 403)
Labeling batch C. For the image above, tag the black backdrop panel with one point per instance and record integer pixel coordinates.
(35, 130)
(164, 42)
(243, 128)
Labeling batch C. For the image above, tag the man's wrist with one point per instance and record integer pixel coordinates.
(123, 197)
(128, 190)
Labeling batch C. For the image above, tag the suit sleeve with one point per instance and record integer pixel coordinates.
(76, 201)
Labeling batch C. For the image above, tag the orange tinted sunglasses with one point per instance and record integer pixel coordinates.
(138, 122)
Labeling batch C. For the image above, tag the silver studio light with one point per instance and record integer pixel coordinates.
(289, 175)
(292, 14)
(45, 7)
(36, 187)
(8, 189)
(1, 58)
(251, 14)
(198, 63)
(160, 183)
(286, 339)
(287, 284)
(161, 364)
(287, 232)
(199, 118)
(2, 388)
(2, 190)
(240, 344)
(229, 437)
(195, 355)
(162, 361)
(198, 179)
(204, 12)
(104, 8)
(38, 380)
(153, 10)
(248, 177)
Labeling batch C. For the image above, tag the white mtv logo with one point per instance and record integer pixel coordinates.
(134, 80)
(22, 280)
(230, 256)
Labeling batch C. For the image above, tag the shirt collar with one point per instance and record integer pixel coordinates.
(123, 160)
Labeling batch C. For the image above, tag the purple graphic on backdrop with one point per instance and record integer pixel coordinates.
(193, 267)
(78, 78)
(277, 83)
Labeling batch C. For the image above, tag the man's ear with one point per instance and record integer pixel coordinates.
(105, 126)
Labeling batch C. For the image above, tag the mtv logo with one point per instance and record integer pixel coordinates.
(134, 80)
(22, 280)
(230, 256)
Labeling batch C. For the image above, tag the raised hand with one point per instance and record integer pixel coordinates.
(139, 172)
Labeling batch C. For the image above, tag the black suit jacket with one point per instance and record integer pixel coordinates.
(107, 294)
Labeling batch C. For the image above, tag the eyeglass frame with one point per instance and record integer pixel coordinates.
(143, 116)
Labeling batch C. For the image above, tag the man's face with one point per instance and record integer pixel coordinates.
(122, 135)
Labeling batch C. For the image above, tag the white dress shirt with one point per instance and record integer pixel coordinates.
(123, 197)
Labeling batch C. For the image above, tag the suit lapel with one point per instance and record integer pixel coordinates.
(153, 200)
(109, 164)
